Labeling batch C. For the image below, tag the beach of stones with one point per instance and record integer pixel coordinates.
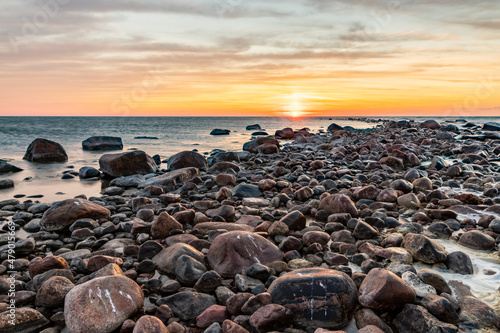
(336, 231)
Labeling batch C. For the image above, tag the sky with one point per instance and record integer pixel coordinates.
(291, 58)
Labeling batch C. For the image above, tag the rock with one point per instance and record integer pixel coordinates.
(102, 143)
(256, 302)
(163, 225)
(339, 203)
(421, 289)
(393, 162)
(431, 124)
(409, 200)
(6, 183)
(317, 297)
(294, 220)
(64, 213)
(416, 319)
(88, 172)
(39, 265)
(438, 163)
(247, 191)
(229, 326)
(234, 251)
(7, 167)
(459, 262)
(213, 314)
(368, 318)
(268, 149)
(422, 184)
(441, 308)
(434, 279)
(334, 127)
(166, 260)
(475, 239)
(219, 131)
(255, 127)
(149, 324)
(126, 164)
(96, 262)
(368, 192)
(383, 290)
(45, 151)
(442, 214)
(186, 159)
(286, 133)
(206, 227)
(101, 304)
(424, 249)
(253, 145)
(364, 231)
(271, 317)
(53, 291)
(26, 320)
(188, 270)
(188, 305)
(224, 179)
(491, 126)
(170, 179)
(495, 226)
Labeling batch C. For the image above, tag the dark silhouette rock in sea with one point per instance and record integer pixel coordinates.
(7, 167)
(491, 126)
(126, 164)
(219, 131)
(102, 143)
(334, 127)
(186, 159)
(254, 127)
(45, 151)
(6, 183)
(146, 138)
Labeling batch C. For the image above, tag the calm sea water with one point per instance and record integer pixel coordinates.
(174, 134)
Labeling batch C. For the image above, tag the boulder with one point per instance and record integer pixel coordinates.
(186, 159)
(339, 203)
(383, 290)
(431, 124)
(235, 251)
(64, 213)
(247, 191)
(101, 304)
(286, 133)
(45, 151)
(88, 172)
(317, 297)
(6, 183)
(253, 146)
(491, 126)
(166, 260)
(102, 143)
(26, 320)
(188, 305)
(219, 131)
(53, 291)
(7, 167)
(424, 249)
(126, 164)
(334, 127)
(294, 220)
(149, 324)
(416, 319)
(254, 127)
(475, 239)
(170, 179)
(271, 317)
(163, 225)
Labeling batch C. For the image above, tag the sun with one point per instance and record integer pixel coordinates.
(294, 106)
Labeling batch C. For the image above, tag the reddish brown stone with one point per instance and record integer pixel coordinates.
(149, 324)
(339, 203)
(163, 225)
(213, 314)
(42, 265)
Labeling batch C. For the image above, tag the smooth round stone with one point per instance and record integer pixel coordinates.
(318, 297)
(421, 289)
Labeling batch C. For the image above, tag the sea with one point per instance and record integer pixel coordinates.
(173, 134)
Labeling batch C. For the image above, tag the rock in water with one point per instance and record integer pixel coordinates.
(26, 320)
(7, 167)
(416, 319)
(254, 127)
(317, 297)
(339, 203)
(6, 183)
(234, 251)
(45, 151)
(186, 159)
(101, 304)
(424, 249)
(126, 164)
(384, 291)
(334, 127)
(219, 131)
(62, 214)
(491, 126)
(102, 143)
(88, 172)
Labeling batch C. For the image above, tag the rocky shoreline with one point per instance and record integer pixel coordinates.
(299, 232)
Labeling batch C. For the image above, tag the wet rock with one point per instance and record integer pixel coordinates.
(126, 164)
(26, 320)
(491, 126)
(339, 203)
(383, 290)
(477, 240)
(431, 124)
(229, 326)
(254, 127)
(188, 270)
(317, 297)
(459, 262)
(416, 319)
(271, 317)
(367, 317)
(432, 278)
(97, 262)
(234, 251)
(88, 172)
(108, 301)
(219, 131)
(64, 213)
(42, 265)
(149, 324)
(170, 179)
(45, 151)
(163, 225)
(421, 289)
(188, 305)
(166, 260)
(208, 282)
(187, 159)
(441, 308)
(6, 183)
(286, 133)
(424, 249)
(213, 314)
(409, 200)
(7, 167)
(294, 220)
(368, 192)
(102, 143)
(364, 231)
(247, 191)
(53, 291)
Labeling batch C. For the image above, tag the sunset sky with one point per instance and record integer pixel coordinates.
(243, 58)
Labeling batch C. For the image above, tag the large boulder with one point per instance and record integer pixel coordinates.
(475, 239)
(234, 251)
(424, 249)
(45, 151)
(186, 159)
(126, 164)
(7, 167)
(26, 320)
(317, 297)
(253, 146)
(101, 304)
(103, 143)
(339, 203)
(62, 214)
(491, 126)
(384, 291)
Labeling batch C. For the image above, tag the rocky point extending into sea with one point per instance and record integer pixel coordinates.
(299, 232)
